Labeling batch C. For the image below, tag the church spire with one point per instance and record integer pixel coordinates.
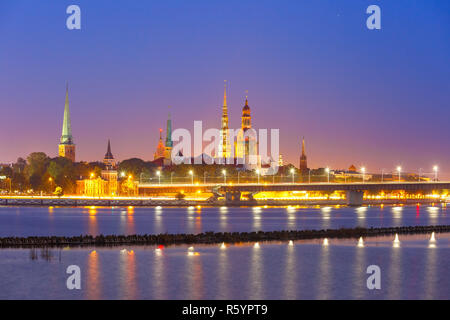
(303, 147)
(225, 94)
(66, 146)
(66, 136)
(169, 142)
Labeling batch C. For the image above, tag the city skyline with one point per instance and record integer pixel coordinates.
(363, 107)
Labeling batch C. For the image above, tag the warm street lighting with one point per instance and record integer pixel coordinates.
(191, 173)
(327, 170)
(123, 174)
(399, 170)
(292, 173)
(224, 172)
(363, 170)
(435, 169)
(204, 177)
(382, 175)
(257, 173)
(92, 175)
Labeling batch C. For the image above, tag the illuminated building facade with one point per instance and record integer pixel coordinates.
(66, 147)
(246, 141)
(110, 173)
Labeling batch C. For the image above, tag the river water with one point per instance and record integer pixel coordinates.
(67, 221)
(414, 269)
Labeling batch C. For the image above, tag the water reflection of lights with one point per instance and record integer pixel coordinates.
(257, 209)
(223, 209)
(223, 246)
(396, 241)
(256, 245)
(360, 242)
(397, 209)
(326, 209)
(291, 243)
(325, 242)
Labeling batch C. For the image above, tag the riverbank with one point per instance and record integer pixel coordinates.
(146, 202)
(212, 238)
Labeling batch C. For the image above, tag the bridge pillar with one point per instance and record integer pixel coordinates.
(354, 198)
(233, 197)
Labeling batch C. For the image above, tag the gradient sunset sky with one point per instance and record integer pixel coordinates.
(312, 68)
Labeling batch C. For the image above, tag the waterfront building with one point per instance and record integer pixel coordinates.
(303, 159)
(110, 173)
(66, 147)
(246, 144)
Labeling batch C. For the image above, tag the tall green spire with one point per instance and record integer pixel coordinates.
(66, 136)
(169, 142)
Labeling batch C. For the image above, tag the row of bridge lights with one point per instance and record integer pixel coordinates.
(399, 171)
(292, 171)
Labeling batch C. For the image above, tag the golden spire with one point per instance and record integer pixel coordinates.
(225, 94)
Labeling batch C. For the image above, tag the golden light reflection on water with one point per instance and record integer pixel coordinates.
(195, 277)
(223, 275)
(290, 281)
(127, 261)
(159, 275)
(93, 288)
(92, 222)
(431, 271)
(256, 278)
(325, 279)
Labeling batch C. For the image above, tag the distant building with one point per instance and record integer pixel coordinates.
(110, 173)
(106, 184)
(303, 160)
(66, 147)
(160, 149)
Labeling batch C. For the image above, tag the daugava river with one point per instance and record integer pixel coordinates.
(413, 269)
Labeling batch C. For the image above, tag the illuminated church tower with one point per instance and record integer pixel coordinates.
(160, 149)
(224, 151)
(169, 142)
(66, 145)
(109, 161)
(303, 159)
(247, 142)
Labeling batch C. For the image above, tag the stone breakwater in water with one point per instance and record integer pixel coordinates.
(212, 238)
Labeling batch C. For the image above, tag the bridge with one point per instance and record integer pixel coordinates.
(354, 191)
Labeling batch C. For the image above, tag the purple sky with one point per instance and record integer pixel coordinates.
(312, 68)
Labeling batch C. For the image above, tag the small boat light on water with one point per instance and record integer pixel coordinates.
(433, 238)
(325, 242)
(256, 245)
(360, 242)
(396, 241)
(223, 246)
(291, 243)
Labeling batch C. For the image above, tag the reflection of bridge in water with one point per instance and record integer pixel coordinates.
(232, 192)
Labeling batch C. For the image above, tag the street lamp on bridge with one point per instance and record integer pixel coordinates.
(292, 173)
(363, 170)
(191, 173)
(224, 172)
(257, 173)
(435, 169)
(158, 173)
(399, 170)
(327, 170)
